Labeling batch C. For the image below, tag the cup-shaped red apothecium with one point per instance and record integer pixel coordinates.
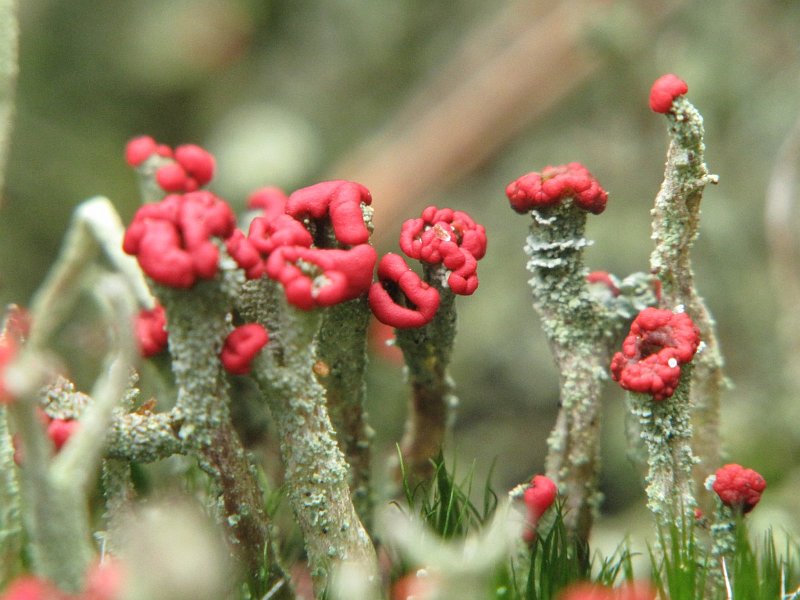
(265, 236)
(313, 277)
(739, 488)
(270, 200)
(555, 184)
(400, 298)
(241, 347)
(659, 342)
(664, 91)
(448, 237)
(340, 201)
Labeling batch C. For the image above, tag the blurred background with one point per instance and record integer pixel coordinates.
(445, 103)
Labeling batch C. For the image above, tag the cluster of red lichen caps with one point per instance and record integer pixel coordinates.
(448, 237)
(538, 498)
(241, 347)
(186, 169)
(172, 239)
(150, 329)
(271, 229)
(420, 302)
(279, 245)
(659, 342)
(313, 277)
(338, 202)
(595, 591)
(664, 91)
(554, 185)
(739, 488)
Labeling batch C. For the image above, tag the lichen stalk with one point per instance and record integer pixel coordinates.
(571, 321)
(55, 513)
(10, 515)
(56, 488)
(676, 219)
(198, 324)
(119, 495)
(342, 363)
(315, 470)
(427, 352)
(95, 230)
(665, 427)
(144, 437)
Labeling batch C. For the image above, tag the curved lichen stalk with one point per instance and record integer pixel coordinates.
(341, 366)
(315, 470)
(676, 218)
(448, 243)
(558, 199)
(427, 352)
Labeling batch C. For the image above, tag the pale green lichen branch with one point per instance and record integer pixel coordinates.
(198, 322)
(315, 471)
(666, 430)
(9, 34)
(676, 220)
(96, 230)
(10, 511)
(427, 352)
(77, 462)
(574, 323)
(342, 363)
(56, 488)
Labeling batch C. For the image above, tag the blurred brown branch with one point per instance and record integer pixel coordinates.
(782, 225)
(506, 74)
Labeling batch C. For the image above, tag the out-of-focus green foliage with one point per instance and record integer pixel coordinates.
(281, 91)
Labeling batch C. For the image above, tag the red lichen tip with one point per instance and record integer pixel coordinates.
(28, 587)
(664, 91)
(595, 591)
(8, 349)
(313, 277)
(555, 184)
(171, 239)
(659, 342)
(605, 279)
(739, 488)
(139, 149)
(400, 298)
(198, 163)
(340, 201)
(150, 329)
(241, 347)
(271, 200)
(538, 498)
(60, 430)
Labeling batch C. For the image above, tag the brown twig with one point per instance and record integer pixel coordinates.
(486, 93)
(781, 223)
